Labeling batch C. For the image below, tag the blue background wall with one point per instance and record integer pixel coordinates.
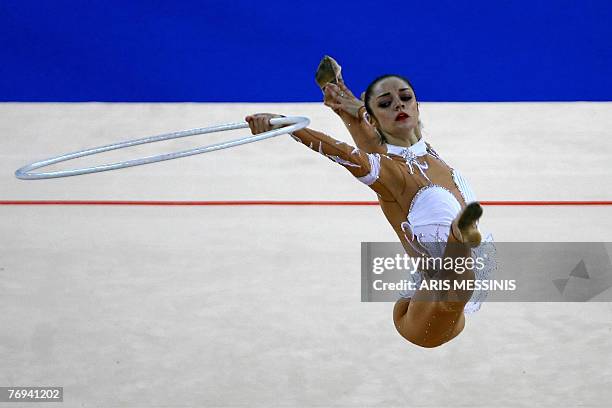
(244, 51)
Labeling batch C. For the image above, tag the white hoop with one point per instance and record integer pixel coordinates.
(24, 173)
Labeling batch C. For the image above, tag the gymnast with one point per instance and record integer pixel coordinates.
(423, 198)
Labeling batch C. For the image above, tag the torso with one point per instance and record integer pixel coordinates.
(414, 179)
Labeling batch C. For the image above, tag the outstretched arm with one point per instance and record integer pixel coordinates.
(354, 160)
(364, 166)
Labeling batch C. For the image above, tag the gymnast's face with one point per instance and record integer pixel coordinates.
(395, 107)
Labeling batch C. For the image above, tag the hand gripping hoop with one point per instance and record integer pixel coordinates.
(25, 173)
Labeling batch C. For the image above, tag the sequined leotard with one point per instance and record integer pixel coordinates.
(418, 192)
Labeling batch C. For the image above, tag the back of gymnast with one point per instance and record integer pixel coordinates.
(421, 196)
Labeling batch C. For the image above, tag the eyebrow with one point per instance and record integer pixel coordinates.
(388, 93)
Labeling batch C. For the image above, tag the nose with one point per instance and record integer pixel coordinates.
(399, 104)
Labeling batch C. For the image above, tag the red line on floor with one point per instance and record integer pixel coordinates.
(283, 203)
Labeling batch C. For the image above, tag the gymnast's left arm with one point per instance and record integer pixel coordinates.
(364, 166)
(353, 159)
(353, 114)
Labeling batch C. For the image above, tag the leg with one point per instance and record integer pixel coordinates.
(434, 316)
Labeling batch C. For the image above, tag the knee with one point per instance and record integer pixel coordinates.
(416, 337)
(420, 341)
(430, 330)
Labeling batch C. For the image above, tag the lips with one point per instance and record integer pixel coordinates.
(401, 116)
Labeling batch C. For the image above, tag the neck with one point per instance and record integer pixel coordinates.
(403, 141)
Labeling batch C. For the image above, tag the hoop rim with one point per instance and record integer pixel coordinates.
(25, 173)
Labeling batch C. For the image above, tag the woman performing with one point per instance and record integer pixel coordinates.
(429, 205)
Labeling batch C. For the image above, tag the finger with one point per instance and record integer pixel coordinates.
(345, 89)
(334, 105)
(253, 123)
(333, 87)
(331, 104)
(339, 93)
(258, 128)
(330, 97)
(344, 92)
(262, 124)
(252, 126)
(333, 93)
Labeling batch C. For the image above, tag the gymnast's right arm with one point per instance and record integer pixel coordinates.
(364, 166)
